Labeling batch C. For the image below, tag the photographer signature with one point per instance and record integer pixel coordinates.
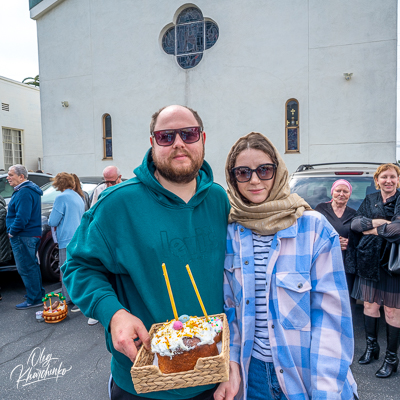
(39, 367)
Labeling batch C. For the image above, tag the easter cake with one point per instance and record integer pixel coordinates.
(180, 343)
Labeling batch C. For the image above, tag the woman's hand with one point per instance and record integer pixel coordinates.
(228, 390)
(378, 222)
(373, 231)
(343, 243)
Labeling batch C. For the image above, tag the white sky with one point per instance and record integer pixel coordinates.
(18, 41)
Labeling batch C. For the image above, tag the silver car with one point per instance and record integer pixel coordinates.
(313, 182)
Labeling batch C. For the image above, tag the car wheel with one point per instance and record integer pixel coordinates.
(49, 262)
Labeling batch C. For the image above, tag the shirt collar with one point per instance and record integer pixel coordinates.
(18, 186)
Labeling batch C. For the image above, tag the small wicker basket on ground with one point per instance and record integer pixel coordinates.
(52, 314)
(147, 377)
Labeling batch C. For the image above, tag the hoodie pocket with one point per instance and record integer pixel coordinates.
(293, 292)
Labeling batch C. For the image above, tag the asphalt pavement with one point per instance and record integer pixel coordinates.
(74, 364)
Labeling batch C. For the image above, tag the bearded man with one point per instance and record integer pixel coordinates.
(171, 212)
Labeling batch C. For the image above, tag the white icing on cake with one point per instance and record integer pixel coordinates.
(216, 324)
(167, 340)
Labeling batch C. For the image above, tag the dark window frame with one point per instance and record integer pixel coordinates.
(291, 127)
(107, 139)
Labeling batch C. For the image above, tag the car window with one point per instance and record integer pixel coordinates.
(50, 193)
(318, 190)
(39, 179)
(6, 190)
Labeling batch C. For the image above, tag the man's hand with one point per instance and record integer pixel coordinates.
(124, 328)
(228, 390)
(343, 243)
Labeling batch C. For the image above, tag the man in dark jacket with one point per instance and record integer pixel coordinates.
(24, 229)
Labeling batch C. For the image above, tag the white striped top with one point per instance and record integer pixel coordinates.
(261, 348)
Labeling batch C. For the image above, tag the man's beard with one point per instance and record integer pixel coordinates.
(179, 175)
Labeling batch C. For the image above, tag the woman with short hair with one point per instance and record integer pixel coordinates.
(374, 228)
(65, 216)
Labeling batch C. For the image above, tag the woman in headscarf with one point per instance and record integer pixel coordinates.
(339, 214)
(374, 228)
(285, 287)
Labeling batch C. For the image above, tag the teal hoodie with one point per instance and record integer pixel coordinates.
(114, 260)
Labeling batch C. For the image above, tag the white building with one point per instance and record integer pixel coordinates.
(21, 140)
(120, 60)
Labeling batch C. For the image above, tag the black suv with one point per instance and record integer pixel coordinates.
(313, 182)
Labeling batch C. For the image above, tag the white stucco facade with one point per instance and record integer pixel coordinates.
(20, 111)
(105, 56)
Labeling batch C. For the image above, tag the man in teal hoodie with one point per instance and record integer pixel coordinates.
(171, 212)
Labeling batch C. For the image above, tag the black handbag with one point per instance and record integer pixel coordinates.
(394, 259)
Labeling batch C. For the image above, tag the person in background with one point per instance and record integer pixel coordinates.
(285, 287)
(65, 217)
(24, 227)
(5, 247)
(374, 228)
(112, 176)
(339, 214)
(78, 189)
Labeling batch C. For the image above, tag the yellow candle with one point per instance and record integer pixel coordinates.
(171, 297)
(197, 291)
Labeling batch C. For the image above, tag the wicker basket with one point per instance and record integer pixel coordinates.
(58, 315)
(147, 377)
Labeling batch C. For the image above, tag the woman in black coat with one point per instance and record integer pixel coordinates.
(374, 228)
(340, 215)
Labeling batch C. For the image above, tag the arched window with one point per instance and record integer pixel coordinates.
(292, 132)
(107, 137)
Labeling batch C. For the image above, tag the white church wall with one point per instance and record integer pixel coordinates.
(356, 119)
(104, 58)
(24, 115)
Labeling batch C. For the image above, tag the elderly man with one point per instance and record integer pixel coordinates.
(24, 227)
(171, 212)
(111, 176)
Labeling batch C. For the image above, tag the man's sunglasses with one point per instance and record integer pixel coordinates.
(188, 135)
(111, 183)
(265, 172)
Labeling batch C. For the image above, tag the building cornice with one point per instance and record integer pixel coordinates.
(43, 7)
(8, 80)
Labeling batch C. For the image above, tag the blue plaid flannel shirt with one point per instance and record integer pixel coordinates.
(309, 318)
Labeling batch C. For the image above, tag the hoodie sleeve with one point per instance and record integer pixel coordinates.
(23, 208)
(85, 274)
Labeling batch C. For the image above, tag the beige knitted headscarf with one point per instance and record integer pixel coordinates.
(279, 211)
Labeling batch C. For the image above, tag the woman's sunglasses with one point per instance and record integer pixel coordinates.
(265, 172)
(188, 135)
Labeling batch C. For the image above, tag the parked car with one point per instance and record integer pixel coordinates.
(6, 190)
(313, 182)
(48, 250)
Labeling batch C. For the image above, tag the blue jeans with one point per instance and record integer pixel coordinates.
(62, 257)
(25, 249)
(262, 382)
